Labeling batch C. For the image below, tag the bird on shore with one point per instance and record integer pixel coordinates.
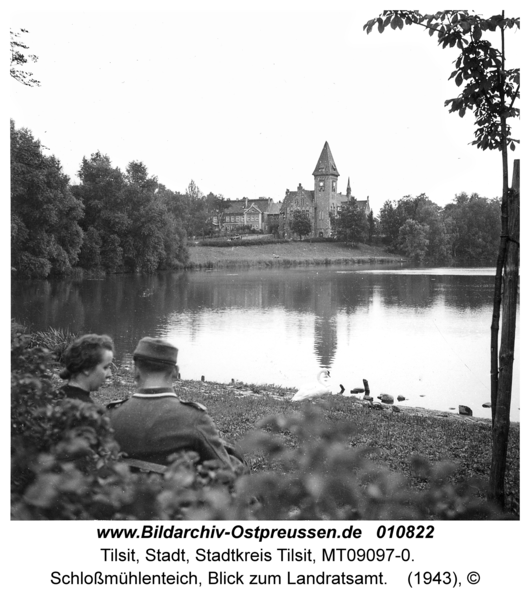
(315, 390)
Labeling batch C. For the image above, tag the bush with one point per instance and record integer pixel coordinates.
(54, 340)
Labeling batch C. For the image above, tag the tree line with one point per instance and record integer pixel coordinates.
(111, 221)
(464, 231)
(127, 221)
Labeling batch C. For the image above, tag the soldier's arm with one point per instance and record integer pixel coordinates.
(211, 446)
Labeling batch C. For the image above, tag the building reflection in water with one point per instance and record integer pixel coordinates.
(280, 326)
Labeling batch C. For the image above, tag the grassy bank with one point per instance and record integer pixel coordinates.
(390, 437)
(285, 255)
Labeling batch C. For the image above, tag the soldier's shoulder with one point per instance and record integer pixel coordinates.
(117, 403)
(194, 404)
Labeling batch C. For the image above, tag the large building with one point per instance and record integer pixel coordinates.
(260, 214)
(320, 203)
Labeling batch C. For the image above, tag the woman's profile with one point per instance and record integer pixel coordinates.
(87, 362)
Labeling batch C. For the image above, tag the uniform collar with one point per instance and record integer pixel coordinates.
(154, 392)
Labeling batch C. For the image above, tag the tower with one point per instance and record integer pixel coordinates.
(326, 176)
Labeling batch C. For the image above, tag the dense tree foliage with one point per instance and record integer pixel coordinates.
(300, 223)
(413, 240)
(138, 230)
(101, 191)
(475, 227)
(351, 223)
(111, 221)
(216, 207)
(198, 219)
(373, 226)
(114, 221)
(45, 232)
(464, 231)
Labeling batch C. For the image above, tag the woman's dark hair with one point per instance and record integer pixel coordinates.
(85, 352)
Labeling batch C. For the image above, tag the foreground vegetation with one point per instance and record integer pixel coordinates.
(337, 459)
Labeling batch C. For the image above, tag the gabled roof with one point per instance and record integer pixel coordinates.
(240, 206)
(326, 163)
(290, 197)
(261, 203)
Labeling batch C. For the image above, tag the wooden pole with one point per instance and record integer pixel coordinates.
(501, 422)
(501, 257)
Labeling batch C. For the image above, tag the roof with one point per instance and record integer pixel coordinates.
(239, 206)
(291, 196)
(326, 163)
(275, 208)
(236, 207)
(261, 203)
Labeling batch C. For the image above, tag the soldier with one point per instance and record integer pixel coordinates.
(154, 423)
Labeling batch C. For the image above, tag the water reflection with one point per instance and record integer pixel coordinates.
(421, 333)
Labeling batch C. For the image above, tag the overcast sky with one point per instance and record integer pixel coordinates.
(242, 101)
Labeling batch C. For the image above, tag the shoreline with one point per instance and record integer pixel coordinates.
(244, 391)
(287, 255)
(287, 263)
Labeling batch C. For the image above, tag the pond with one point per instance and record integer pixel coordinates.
(420, 333)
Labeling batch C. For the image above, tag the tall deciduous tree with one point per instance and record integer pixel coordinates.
(300, 223)
(490, 92)
(351, 224)
(372, 226)
(473, 225)
(102, 190)
(217, 206)
(414, 240)
(199, 221)
(45, 232)
(422, 211)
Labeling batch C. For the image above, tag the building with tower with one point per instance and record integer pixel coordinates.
(320, 203)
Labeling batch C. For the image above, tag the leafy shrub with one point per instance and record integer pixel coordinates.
(54, 340)
(317, 475)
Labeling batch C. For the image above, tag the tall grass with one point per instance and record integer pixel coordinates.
(283, 262)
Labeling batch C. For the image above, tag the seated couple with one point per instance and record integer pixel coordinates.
(153, 423)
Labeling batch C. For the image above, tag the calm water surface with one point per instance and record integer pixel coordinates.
(422, 333)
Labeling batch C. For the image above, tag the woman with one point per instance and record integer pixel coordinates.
(87, 363)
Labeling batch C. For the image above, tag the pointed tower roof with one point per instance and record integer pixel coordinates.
(326, 163)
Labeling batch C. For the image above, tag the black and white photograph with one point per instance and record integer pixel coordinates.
(265, 294)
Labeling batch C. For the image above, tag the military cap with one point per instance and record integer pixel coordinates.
(156, 350)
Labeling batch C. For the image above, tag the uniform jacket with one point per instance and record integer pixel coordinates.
(154, 423)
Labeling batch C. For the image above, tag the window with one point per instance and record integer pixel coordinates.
(333, 186)
(320, 185)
